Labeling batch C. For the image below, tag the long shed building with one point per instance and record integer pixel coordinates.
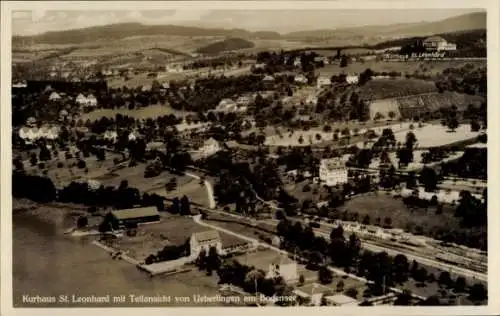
(135, 216)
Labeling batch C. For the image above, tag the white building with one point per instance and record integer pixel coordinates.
(297, 62)
(175, 68)
(210, 147)
(110, 135)
(312, 99)
(333, 171)
(312, 292)
(244, 100)
(340, 300)
(204, 241)
(81, 100)
(91, 100)
(323, 81)
(352, 79)
(301, 79)
(436, 43)
(54, 96)
(268, 78)
(283, 267)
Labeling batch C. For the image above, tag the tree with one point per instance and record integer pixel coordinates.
(411, 139)
(201, 261)
(429, 179)
(452, 124)
(378, 116)
(403, 299)
(343, 61)
(213, 260)
(325, 276)
(474, 126)
(176, 206)
(185, 206)
(478, 292)
(302, 280)
(340, 286)
(444, 278)
(352, 292)
(460, 285)
(82, 222)
(337, 233)
(33, 159)
(391, 115)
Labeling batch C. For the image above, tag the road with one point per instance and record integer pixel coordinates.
(340, 272)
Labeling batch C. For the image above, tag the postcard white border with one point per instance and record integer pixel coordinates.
(492, 7)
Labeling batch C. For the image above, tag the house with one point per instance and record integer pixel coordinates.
(226, 105)
(146, 88)
(276, 241)
(110, 135)
(210, 147)
(437, 43)
(134, 216)
(52, 133)
(268, 78)
(24, 132)
(31, 122)
(243, 100)
(312, 99)
(54, 96)
(204, 241)
(91, 100)
(284, 267)
(340, 300)
(132, 136)
(352, 79)
(313, 293)
(297, 62)
(333, 171)
(260, 66)
(81, 100)
(323, 81)
(175, 68)
(301, 79)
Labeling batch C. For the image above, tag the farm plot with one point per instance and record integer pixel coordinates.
(151, 111)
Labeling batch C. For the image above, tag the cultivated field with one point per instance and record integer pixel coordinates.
(430, 67)
(151, 111)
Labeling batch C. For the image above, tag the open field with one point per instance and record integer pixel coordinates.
(381, 206)
(431, 67)
(392, 88)
(151, 111)
(434, 135)
(288, 138)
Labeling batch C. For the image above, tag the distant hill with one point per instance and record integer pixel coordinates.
(124, 30)
(354, 35)
(466, 22)
(230, 44)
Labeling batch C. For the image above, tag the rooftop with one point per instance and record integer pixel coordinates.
(341, 299)
(332, 163)
(310, 289)
(135, 212)
(206, 236)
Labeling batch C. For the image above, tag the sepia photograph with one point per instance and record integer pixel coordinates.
(212, 157)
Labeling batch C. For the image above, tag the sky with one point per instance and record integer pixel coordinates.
(39, 21)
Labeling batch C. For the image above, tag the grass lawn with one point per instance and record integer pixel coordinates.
(381, 206)
(151, 111)
(433, 135)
